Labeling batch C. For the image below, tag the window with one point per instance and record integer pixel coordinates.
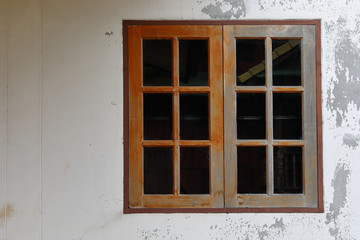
(222, 116)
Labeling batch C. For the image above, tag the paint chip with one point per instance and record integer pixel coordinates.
(351, 140)
(339, 183)
(226, 9)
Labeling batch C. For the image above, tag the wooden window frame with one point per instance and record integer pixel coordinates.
(214, 204)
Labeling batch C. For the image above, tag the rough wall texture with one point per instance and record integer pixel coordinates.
(61, 122)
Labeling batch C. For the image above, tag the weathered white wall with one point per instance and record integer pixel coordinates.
(61, 165)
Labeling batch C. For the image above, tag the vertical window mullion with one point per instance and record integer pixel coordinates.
(269, 118)
(230, 154)
(216, 120)
(176, 113)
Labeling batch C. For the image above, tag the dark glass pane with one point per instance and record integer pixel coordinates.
(288, 175)
(158, 170)
(157, 116)
(193, 62)
(250, 115)
(250, 62)
(251, 170)
(287, 116)
(194, 116)
(194, 170)
(286, 62)
(157, 63)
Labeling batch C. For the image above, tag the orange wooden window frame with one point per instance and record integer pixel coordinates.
(134, 200)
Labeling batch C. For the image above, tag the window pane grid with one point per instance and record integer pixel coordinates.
(175, 142)
(269, 89)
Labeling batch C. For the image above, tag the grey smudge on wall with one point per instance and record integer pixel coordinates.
(232, 229)
(279, 224)
(339, 183)
(214, 10)
(262, 234)
(109, 33)
(346, 86)
(351, 140)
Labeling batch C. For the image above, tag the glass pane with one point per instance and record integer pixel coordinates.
(250, 62)
(287, 116)
(157, 62)
(194, 170)
(286, 62)
(158, 170)
(251, 170)
(157, 116)
(250, 115)
(288, 177)
(193, 62)
(194, 116)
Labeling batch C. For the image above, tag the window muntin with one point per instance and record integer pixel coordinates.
(277, 180)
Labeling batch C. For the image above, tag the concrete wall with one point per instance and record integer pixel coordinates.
(61, 165)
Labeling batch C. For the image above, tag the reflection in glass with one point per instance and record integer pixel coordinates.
(251, 170)
(157, 116)
(194, 170)
(194, 116)
(250, 62)
(287, 115)
(158, 170)
(157, 62)
(286, 62)
(288, 177)
(250, 115)
(193, 62)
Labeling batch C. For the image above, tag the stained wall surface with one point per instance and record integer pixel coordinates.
(61, 135)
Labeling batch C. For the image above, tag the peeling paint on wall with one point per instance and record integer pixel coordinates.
(279, 224)
(345, 89)
(351, 140)
(291, 5)
(247, 230)
(339, 183)
(148, 234)
(226, 9)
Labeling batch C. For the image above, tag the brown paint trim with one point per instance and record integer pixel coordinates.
(223, 22)
(224, 210)
(319, 116)
(126, 114)
(127, 209)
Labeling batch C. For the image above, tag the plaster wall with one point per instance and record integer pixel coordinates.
(61, 164)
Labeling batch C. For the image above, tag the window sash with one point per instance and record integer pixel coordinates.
(215, 143)
(309, 140)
